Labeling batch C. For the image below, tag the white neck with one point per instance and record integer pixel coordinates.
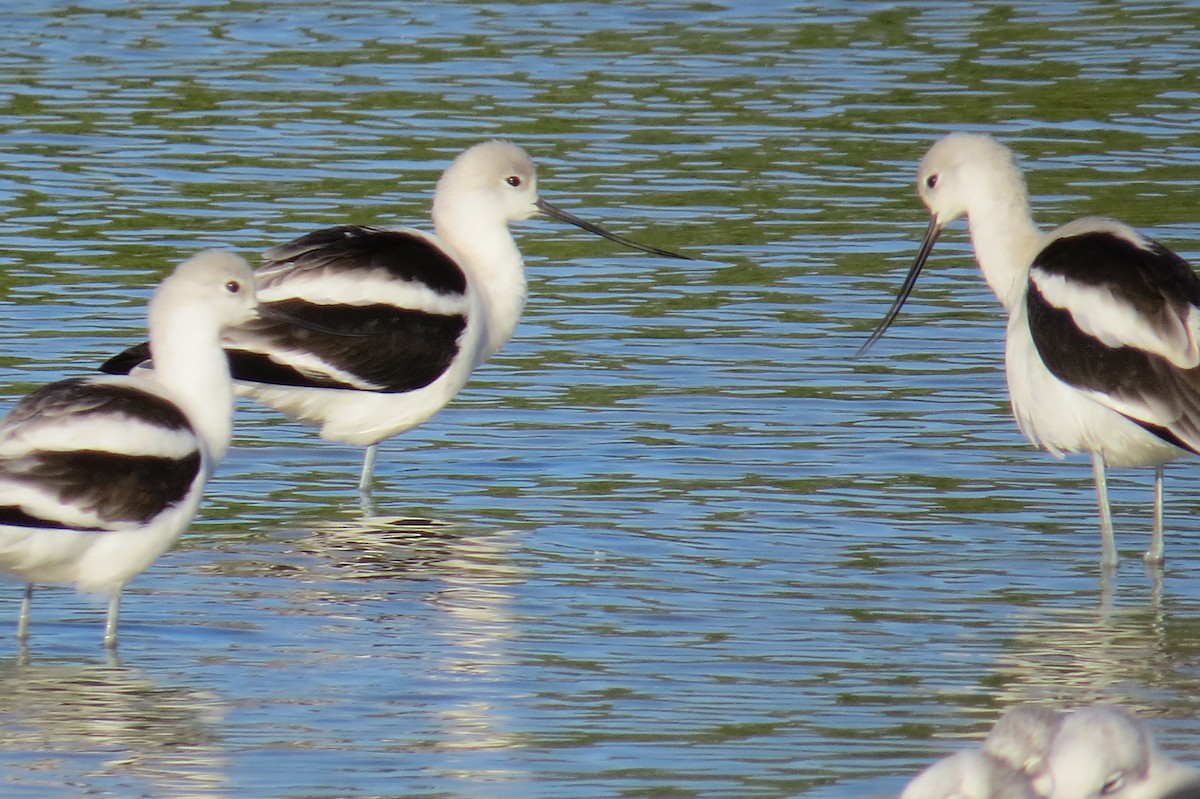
(189, 363)
(492, 262)
(1005, 240)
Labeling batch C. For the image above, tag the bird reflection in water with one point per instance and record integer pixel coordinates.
(404, 546)
(124, 732)
(446, 594)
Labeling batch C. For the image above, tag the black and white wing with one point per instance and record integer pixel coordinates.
(1117, 315)
(348, 307)
(98, 454)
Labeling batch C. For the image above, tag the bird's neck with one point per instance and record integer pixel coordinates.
(493, 264)
(190, 364)
(1005, 241)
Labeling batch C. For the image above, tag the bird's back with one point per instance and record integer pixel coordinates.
(364, 309)
(83, 459)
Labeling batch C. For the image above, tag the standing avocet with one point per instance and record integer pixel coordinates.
(398, 318)
(1103, 338)
(100, 476)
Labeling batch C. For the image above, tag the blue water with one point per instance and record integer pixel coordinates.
(674, 540)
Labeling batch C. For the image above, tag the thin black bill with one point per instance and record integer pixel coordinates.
(561, 215)
(910, 280)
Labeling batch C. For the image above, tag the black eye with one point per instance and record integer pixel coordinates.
(233, 287)
(931, 181)
(513, 180)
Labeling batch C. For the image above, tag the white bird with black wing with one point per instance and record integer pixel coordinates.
(100, 476)
(1101, 351)
(397, 318)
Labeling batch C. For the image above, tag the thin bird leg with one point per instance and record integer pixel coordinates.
(1108, 544)
(23, 619)
(1155, 554)
(368, 469)
(110, 625)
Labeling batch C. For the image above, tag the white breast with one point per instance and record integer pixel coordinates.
(1061, 418)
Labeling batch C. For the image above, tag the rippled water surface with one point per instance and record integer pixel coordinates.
(674, 540)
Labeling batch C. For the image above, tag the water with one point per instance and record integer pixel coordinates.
(673, 540)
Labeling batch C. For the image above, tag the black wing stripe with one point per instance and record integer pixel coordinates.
(125, 362)
(392, 349)
(81, 397)
(256, 367)
(1148, 279)
(403, 255)
(1124, 373)
(116, 487)
(16, 517)
(1165, 434)
(1081, 360)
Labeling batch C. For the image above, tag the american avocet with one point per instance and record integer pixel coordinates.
(1021, 737)
(1103, 338)
(1105, 752)
(100, 476)
(405, 316)
(969, 774)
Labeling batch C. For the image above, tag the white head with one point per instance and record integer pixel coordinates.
(205, 294)
(1098, 751)
(975, 175)
(495, 176)
(497, 181)
(961, 170)
(970, 774)
(213, 289)
(486, 188)
(1021, 737)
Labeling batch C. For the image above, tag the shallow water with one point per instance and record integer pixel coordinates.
(673, 540)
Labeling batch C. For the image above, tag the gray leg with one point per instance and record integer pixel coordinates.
(1155, 554)
(110, 624)
(1108, 544)
(368, 469)
(23, 619)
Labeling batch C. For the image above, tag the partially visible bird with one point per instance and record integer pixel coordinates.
(100, 476)
(397, 319)
(1105, 752)
(1022, 735)
(1103, 339)
(969, 774)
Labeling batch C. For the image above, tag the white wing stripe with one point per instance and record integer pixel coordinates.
(117, 433)
(360, 287)
(316, 367)
(1099, 314)
(41, 503)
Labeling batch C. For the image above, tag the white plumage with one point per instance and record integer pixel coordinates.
(404, 316)
(1022, 735)
(1105, 752)
(1035, 752)
(1101, 349)
(969, 774)
(100, 476)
